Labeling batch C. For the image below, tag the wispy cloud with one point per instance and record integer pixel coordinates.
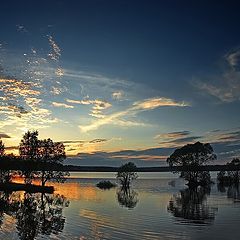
(224, 86)
(55, 52)
(21, 28)
(64, 105)
(20, 104)
(176, 139)
(233, 58)
(152, 156)
(172, 135)
(116, 118)
(117, 95)
(98, 106)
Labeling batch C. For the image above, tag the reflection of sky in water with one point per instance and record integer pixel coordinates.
(97, 214)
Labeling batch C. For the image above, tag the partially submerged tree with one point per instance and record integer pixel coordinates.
(126, 174)
(127, 197)
(191, 157)
(232, 176)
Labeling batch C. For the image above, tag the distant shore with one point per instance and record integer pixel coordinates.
(213, 168)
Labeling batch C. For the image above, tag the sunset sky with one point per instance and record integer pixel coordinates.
(121, 80)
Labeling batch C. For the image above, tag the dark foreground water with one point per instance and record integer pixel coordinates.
(159, 206)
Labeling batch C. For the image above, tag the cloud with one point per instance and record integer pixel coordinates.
(176, 139)
(116, 118)
(225, 86)
(55, 52)
(21, 28)
(172, 135)
(145, 157)
(98, 106)
(57, 104)
(20, 105)
(226, 145)
(153, 103)
(117, 95)
(98, 140)
(229, 137)
(59, 72)
(4, 135)
(233, 58)
(72, 141)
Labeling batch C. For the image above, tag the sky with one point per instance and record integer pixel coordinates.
(119, 81)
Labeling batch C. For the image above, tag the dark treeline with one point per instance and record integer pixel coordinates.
(72, 168)
(38, 159)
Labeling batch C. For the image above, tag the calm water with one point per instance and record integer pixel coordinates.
(159, 206)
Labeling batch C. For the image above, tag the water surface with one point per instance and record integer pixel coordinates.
(158, 206)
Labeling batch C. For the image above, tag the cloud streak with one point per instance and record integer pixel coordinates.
(64, 105)
(224, 86)
(139, 106)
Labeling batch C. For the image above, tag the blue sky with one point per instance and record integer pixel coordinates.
(121, 80)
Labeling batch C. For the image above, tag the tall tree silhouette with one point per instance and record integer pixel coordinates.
(5, 174)
(47, 154)
(2, 148)
(191, 156)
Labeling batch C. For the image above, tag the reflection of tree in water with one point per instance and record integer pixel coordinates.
(127, 197)
(233, 191)
(191, 204)
(40, 213)
(9, 203)
(35, 213)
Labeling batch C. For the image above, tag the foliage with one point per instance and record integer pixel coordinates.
(45, 152)
(126, 174)
(29, 146)
(2, 148)
(232, 176)
(105, 185)
(127, 197)
(5, 174)
(191, 156)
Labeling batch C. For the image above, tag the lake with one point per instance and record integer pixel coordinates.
(158, 206)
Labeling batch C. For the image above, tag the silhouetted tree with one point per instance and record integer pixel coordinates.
(28, 151)
(127, 197)
(191, 156)
(126, 174)
(230, 177)
(191, 204)
(2, 148)
(29, 146)
(5, 174)
(46, 154)
(51, 153)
